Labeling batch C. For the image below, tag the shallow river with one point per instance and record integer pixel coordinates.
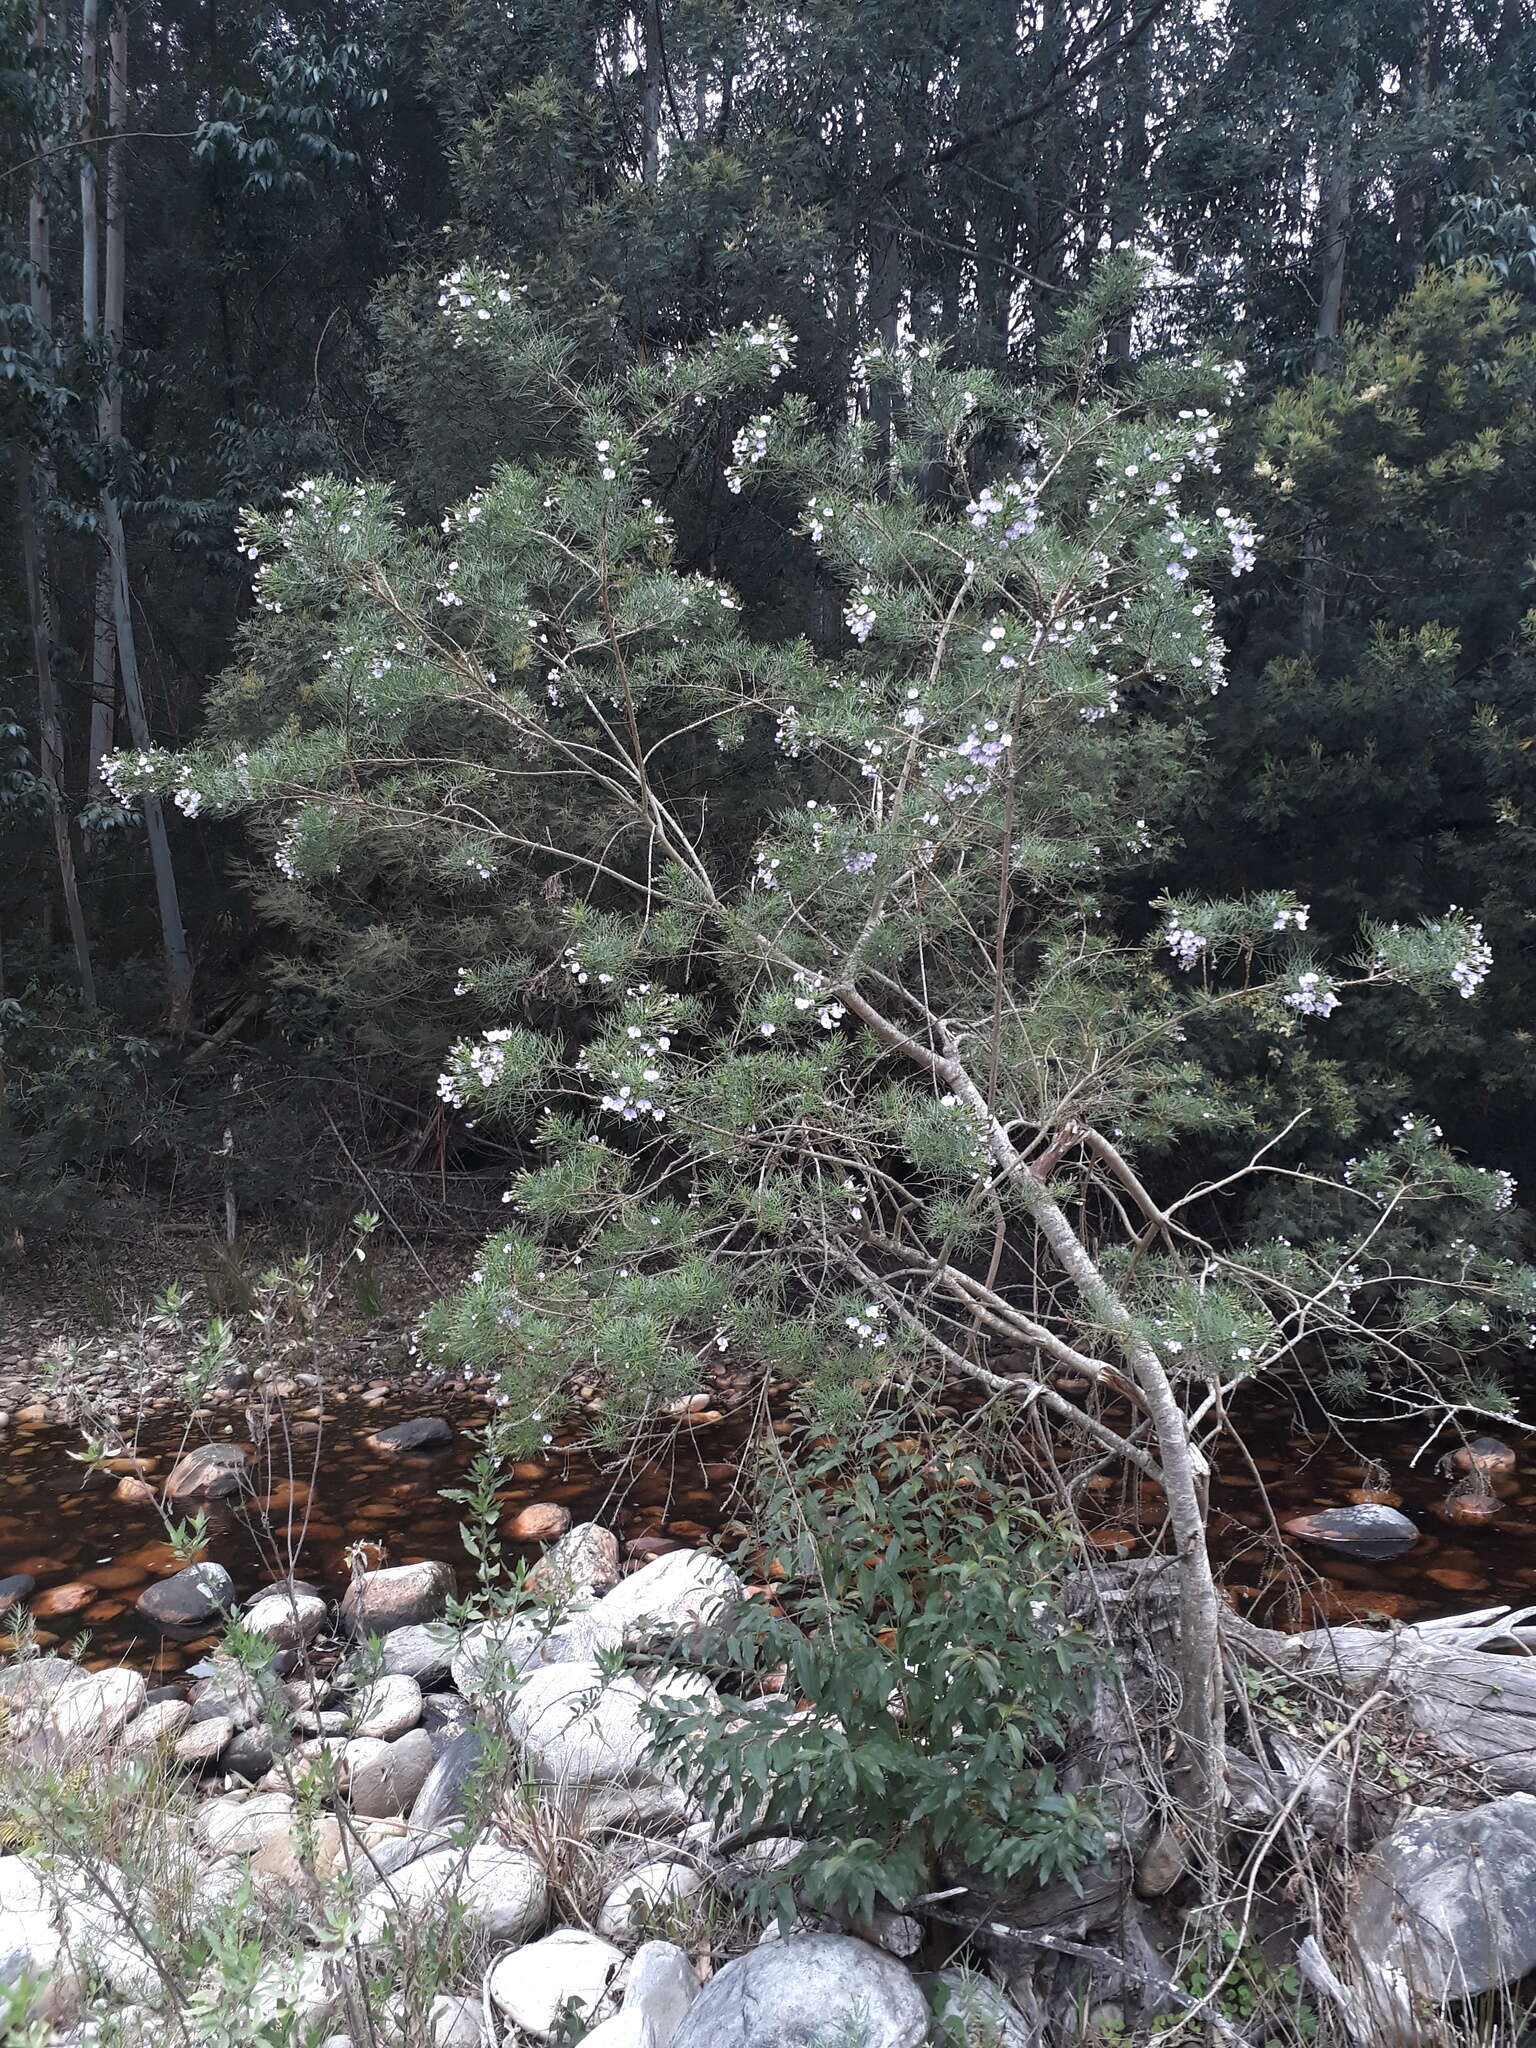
(92, 1551)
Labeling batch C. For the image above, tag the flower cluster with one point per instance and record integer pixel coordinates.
(468, 299)
(749, 448)
(1006, 513)
(635, 1098)
(982, 751)
(1242, 537)
(131, 774)
(1311, 997)
(1185, 945)
(774, 336)
(1471, 971)
(996, 636)
(817, 519)
(473, 1064)
(577, 969)
(1293, 919)
(868, 1326)
(859, 616)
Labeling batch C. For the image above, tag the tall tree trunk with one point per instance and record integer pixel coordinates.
(1128, 204)
(103, 651)
(50, 725)
(1333, 249)
(178, 961)
(650, 150)
(33, 487)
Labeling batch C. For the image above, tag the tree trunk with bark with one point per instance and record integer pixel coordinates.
(178, 960)
(34, 491)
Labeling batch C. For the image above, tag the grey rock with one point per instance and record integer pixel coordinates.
(203, 1741)
(92, 1708)
(577, 1727)
(27, 1686)
(421, 1433)
(1446, 1905)
(456, 2023)
(15, 1589)
(398, 1596)
(491, 1659)
(239, 1822)
(228, 1692)
(800, 1993)
(540, 1985)
(390, 1780)
(579, 1568)
(211, 1472)
(501, 1891)
(444, 1792)
(444, 1715)
(285, 1588)
(156, 1727)
(289, 1619)
(654, 1812)
(660, 1982)
(422, 1653)
(249, 1752)
(679, 1593)
(188, 1599)
(390, 1706)
(645, 1895)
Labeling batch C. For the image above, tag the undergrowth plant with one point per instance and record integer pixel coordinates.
(908, 1708)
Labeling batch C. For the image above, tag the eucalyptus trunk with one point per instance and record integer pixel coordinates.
(34, 491)
(178, 960)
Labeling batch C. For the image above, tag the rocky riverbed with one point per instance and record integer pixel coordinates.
(357, 1791)
(404, 1830)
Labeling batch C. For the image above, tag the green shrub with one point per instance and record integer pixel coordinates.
(928, 1685)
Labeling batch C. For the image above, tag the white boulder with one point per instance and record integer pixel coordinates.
(565, 1975)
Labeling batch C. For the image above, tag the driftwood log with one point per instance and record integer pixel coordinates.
(1467, 1683)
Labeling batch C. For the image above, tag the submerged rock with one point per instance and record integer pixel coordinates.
(1369, 1530)
(540, 1522)
(421, 1433)
(1486, 1454)
(211, 1472)
(188, 1599)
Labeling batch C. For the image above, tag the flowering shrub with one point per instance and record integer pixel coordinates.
(797, 1097)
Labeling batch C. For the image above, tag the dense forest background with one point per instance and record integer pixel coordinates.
(225, 231)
